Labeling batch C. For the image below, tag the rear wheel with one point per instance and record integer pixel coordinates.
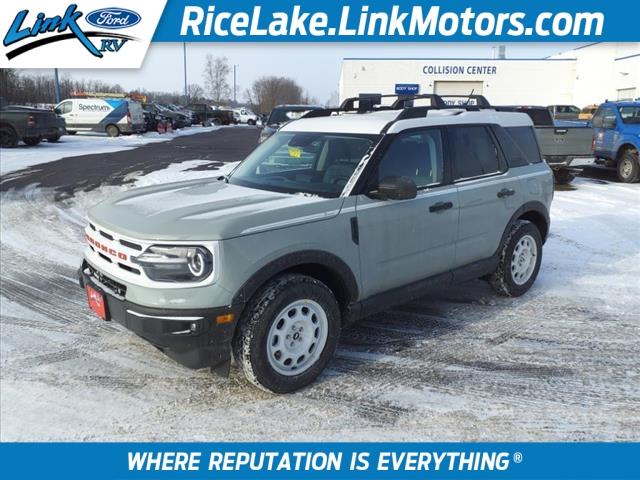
(519, 261)
(71, 132)
(251, 122)
(563, 177)
(8, 137)
(216, 121)
(31, 141)
(53, 139)
(112, 130)
(628, 167)
(288, 333)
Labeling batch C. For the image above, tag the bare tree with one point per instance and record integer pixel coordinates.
(195, 92)
(267, 92)
(216, 72)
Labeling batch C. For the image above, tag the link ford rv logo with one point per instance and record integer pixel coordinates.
(26, 28)
(113, 18)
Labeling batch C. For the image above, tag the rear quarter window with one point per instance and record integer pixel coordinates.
(526, 140)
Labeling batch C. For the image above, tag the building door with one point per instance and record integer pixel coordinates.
(444, 88)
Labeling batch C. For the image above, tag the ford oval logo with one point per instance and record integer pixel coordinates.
(113, 18)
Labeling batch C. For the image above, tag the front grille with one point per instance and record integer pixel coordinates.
(116, 287)
(106, 235)
(132, 245)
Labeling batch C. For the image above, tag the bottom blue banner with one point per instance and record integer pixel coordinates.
(318, 461)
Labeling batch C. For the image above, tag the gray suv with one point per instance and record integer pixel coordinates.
(331, 219)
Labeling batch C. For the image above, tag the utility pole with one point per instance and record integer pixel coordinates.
(184, 65)
(234, 84)
(56, 83)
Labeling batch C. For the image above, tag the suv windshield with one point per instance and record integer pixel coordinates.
(630, 114)
(303, 162)
(284, 115)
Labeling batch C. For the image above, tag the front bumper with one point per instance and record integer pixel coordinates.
(192, 337)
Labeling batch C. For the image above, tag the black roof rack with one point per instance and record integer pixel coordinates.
(370, 102)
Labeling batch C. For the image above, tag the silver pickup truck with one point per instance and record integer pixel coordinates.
(561, 142)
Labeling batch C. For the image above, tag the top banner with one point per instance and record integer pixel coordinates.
(117, 34)
(395, 21)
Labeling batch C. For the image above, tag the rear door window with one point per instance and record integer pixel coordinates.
(474, 152)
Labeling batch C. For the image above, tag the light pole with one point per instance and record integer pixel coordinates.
(184, 65)
(56, 83)
(234, 84)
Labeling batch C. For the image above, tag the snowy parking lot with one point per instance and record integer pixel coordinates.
(559, 363)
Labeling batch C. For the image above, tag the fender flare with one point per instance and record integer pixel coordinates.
(535, 207)
(327, 261)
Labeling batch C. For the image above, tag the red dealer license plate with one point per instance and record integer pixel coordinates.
(97, 302)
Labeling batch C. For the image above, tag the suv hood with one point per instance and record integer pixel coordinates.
(206, 210)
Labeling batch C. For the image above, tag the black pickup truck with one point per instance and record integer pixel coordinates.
(204, 114)
(31, 125)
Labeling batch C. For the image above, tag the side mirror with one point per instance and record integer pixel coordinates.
(395, 188)
(609, 122)
(57, 111)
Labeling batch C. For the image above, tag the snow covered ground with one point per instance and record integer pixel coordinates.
(83, 144)
(560, 363)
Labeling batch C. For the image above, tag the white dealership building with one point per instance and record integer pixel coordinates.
(583, 76)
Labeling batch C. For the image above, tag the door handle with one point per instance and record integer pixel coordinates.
(506, 192)
(440, 206)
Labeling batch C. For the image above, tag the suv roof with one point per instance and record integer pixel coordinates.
(377, 122)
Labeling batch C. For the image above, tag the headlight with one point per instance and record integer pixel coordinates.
(175, 263)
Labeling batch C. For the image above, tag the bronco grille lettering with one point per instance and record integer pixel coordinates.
(106, 249)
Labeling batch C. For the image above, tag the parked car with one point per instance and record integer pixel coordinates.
(31, 125)
(178, 120)
(202, 113)
(564, 112)
(114, 116)
(587, 112)
(231, 119)
(616, 139)
(561, 143)
(281, 115)
(247, 116)
(330, 220)
(181, 117)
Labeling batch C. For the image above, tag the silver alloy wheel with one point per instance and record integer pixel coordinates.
(523, 260)
(297, 337)
(627, 167)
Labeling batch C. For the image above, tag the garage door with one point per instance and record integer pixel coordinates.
(445, 88)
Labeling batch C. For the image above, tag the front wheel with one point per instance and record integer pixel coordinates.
(519, 261)
(251, 122)
(628, 167)
(288, 333)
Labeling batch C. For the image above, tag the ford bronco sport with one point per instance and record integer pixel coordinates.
(336, 216)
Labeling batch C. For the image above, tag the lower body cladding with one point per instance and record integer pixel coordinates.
(195, 338)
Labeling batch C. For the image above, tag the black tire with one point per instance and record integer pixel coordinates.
(8, 137)
(250, 349)
(53, 139)
(251, 122)
(217, 122)
(563, 177)
(628, 167)
(112, 130)
(71, 132)
(502, 280)
(31, 141)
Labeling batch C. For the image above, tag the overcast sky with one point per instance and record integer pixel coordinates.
(315, 66)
